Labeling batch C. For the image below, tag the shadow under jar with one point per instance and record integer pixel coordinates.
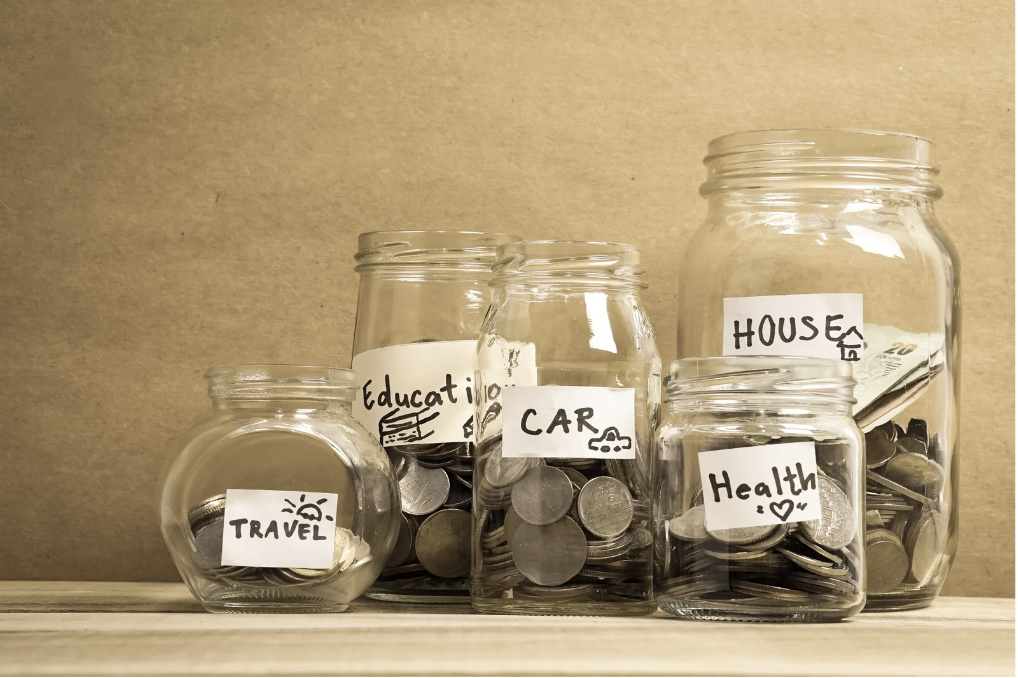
(279, 501)
(825, 243)
(758, 491)
(568, 393)
(421, 300)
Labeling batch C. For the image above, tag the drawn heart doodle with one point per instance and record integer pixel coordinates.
(782, 509)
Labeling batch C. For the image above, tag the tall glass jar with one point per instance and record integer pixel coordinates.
(824, 243)
(422, 297)
(568, 394)
(278, 501)
(758, 501)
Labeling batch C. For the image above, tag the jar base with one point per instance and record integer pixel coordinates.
(561, 608)
(273, 607)
(436, 598)
(897, 602)
(776, 615)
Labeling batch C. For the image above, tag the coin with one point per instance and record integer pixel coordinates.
(886, 561)
(501, 472)
(574, 475)
(880, 445)
(689, 526)
(203, 512)
(925, 543)
(895, 487)
(605, 506)
(769, 541)
(836, 526)
(208, 544)
(443, 543)
(543, 495)
(916, 472)
(404, 547)
(423, 490)
(459, 496)
(549, 555)
(768, 591)
(737, 536)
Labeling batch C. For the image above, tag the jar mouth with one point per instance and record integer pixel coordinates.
(460, 249)
(745, 376)
(794, 159)
(280, 382)
(568, 261)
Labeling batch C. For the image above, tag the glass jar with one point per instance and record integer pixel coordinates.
(279, 501)
(568, 392)
(758, 511)
(422, 297)
(824, 243)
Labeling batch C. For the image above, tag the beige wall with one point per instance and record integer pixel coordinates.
(181, 184)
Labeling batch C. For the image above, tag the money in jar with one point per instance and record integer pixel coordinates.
(759, 480)
(421, 300)
(568, 388)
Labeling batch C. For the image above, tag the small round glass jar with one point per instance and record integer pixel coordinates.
(758, 512)
(420, 303)
(826, 243)
(279, 501)
(568, 382)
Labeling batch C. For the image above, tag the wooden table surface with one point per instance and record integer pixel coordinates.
(120, 628)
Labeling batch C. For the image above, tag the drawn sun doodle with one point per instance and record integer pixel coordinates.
(610, 441)
(307, 511)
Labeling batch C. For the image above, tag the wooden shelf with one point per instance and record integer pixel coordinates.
(122, 628)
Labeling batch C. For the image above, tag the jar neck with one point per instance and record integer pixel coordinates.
(768, 404)
(805, 165)
(427, 255)
(280, 388)
(281, 406)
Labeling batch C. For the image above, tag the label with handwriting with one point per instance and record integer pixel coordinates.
(272, 528)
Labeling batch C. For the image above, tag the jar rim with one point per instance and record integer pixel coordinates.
(569, 262)
(464, 249)
(763, 375)
(275, 381)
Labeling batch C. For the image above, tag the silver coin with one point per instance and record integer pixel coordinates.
(886, 561)
(895, 487)
(768, 591)
(605, 506)
(880, 446)
(502, 472)
(925, 544)
(769, 541)
(344, 553)
(574, 475)
(690, 525)
(208, 544)
(443, 543)
(422, 490)
(543, 495)
(835, 528)
(404, 547)
(919, 474)
(200, 514)
(511, 522)
(550, 555)
(738, 536)
(459, 496)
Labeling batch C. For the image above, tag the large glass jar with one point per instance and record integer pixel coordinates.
(824, 243)
(568, 392)
(758, 501)
(279, 501)
(422, 297)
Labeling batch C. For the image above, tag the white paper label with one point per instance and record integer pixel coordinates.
(811, 325)
(273, 528)
(760, 485)
(417, 393)
(578, 422)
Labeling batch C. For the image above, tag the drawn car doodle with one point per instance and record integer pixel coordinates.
(307, 511)
(398, 428)
(610, 441)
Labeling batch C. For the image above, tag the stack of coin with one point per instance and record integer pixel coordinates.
(560, 532)
(206, 521)
(906, 515)
(786, 565)
(432, 554)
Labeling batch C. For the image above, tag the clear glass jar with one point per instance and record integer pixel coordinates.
(279, 501)
(824, 243)
(422, 297)
(758, 512)
(568, 396)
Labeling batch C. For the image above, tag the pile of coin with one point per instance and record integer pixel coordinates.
(769, 566)
(432, 552)
(206, 521)
(560, 532)
(906, 515)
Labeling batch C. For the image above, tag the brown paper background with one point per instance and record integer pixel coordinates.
(181, 185)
